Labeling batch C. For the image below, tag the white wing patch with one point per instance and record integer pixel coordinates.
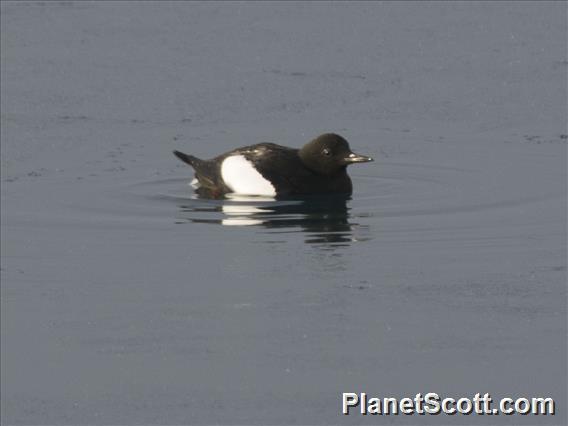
(241, 177)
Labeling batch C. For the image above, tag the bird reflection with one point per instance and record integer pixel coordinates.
(323, 219)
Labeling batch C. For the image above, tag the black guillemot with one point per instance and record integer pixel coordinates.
(268, 169)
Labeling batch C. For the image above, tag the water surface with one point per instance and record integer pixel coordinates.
(129, 299)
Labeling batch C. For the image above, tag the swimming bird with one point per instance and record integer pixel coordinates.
(268, 169)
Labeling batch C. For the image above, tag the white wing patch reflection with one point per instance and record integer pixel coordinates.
(240, 214)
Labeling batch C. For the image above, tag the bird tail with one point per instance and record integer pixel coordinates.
(204, 170)
(189, 159)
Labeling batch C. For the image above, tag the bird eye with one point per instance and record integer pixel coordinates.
(326, 152)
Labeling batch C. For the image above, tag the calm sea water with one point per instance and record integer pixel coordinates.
(128, 299)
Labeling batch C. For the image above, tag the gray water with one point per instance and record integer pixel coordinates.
(127, 299)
